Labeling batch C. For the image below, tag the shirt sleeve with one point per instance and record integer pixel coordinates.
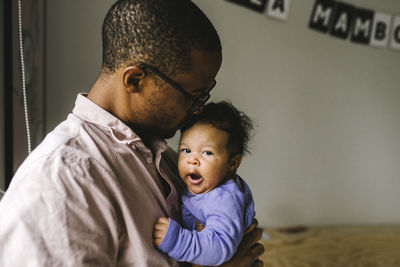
(189, 221)
(57, 213)
(218, 241)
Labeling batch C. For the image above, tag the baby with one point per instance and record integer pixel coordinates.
(210, 151)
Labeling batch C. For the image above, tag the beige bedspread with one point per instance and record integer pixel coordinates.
(367, 246)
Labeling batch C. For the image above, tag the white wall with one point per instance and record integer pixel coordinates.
(73, 52)
(326, 149)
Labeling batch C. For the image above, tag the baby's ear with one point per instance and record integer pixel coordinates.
(235, 162)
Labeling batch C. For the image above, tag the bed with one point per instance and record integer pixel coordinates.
(344, 246)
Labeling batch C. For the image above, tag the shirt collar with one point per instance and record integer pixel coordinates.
(91, 112)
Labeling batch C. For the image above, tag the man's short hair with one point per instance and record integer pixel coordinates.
(224, 116)
(161, 33)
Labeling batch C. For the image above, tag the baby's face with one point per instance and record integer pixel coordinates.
(203, 158)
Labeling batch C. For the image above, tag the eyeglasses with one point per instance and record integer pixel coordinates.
(198, 101)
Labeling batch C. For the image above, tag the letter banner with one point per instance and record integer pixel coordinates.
(342, 20)
(278, 9)
(362, 25)
(256, 5)
(321, 15)
(395, 43)
(381, 30)
(365, 26)
(339, 20)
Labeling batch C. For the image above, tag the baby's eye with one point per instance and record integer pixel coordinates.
(207, 153)
(185, 150)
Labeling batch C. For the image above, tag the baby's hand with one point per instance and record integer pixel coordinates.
(160, 229)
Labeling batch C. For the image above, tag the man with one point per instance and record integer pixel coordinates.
(91, 192)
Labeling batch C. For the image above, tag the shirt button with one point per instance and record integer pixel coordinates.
(149, 160)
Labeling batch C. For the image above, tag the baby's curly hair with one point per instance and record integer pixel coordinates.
(224, 116)
(161, 33)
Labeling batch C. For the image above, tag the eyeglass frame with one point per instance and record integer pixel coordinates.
(198, 101)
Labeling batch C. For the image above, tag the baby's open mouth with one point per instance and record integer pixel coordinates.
(195, 178)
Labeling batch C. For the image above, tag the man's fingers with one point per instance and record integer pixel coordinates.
(199, 226)
(249, 248)
(250, 228)
(253, 226)
(253, 236)
(257, 250)
(258, 263)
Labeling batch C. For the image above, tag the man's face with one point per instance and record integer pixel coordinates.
(167, 108)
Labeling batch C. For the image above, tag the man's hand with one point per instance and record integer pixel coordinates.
(248, 251)
(160, 229)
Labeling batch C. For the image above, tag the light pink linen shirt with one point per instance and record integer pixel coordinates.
(88, 195)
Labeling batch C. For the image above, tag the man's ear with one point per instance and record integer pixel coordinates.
(235, 163)
(131, 78)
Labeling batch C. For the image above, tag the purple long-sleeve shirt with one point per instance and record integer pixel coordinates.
(226, 211)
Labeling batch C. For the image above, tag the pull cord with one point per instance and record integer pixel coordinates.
(22, 61)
